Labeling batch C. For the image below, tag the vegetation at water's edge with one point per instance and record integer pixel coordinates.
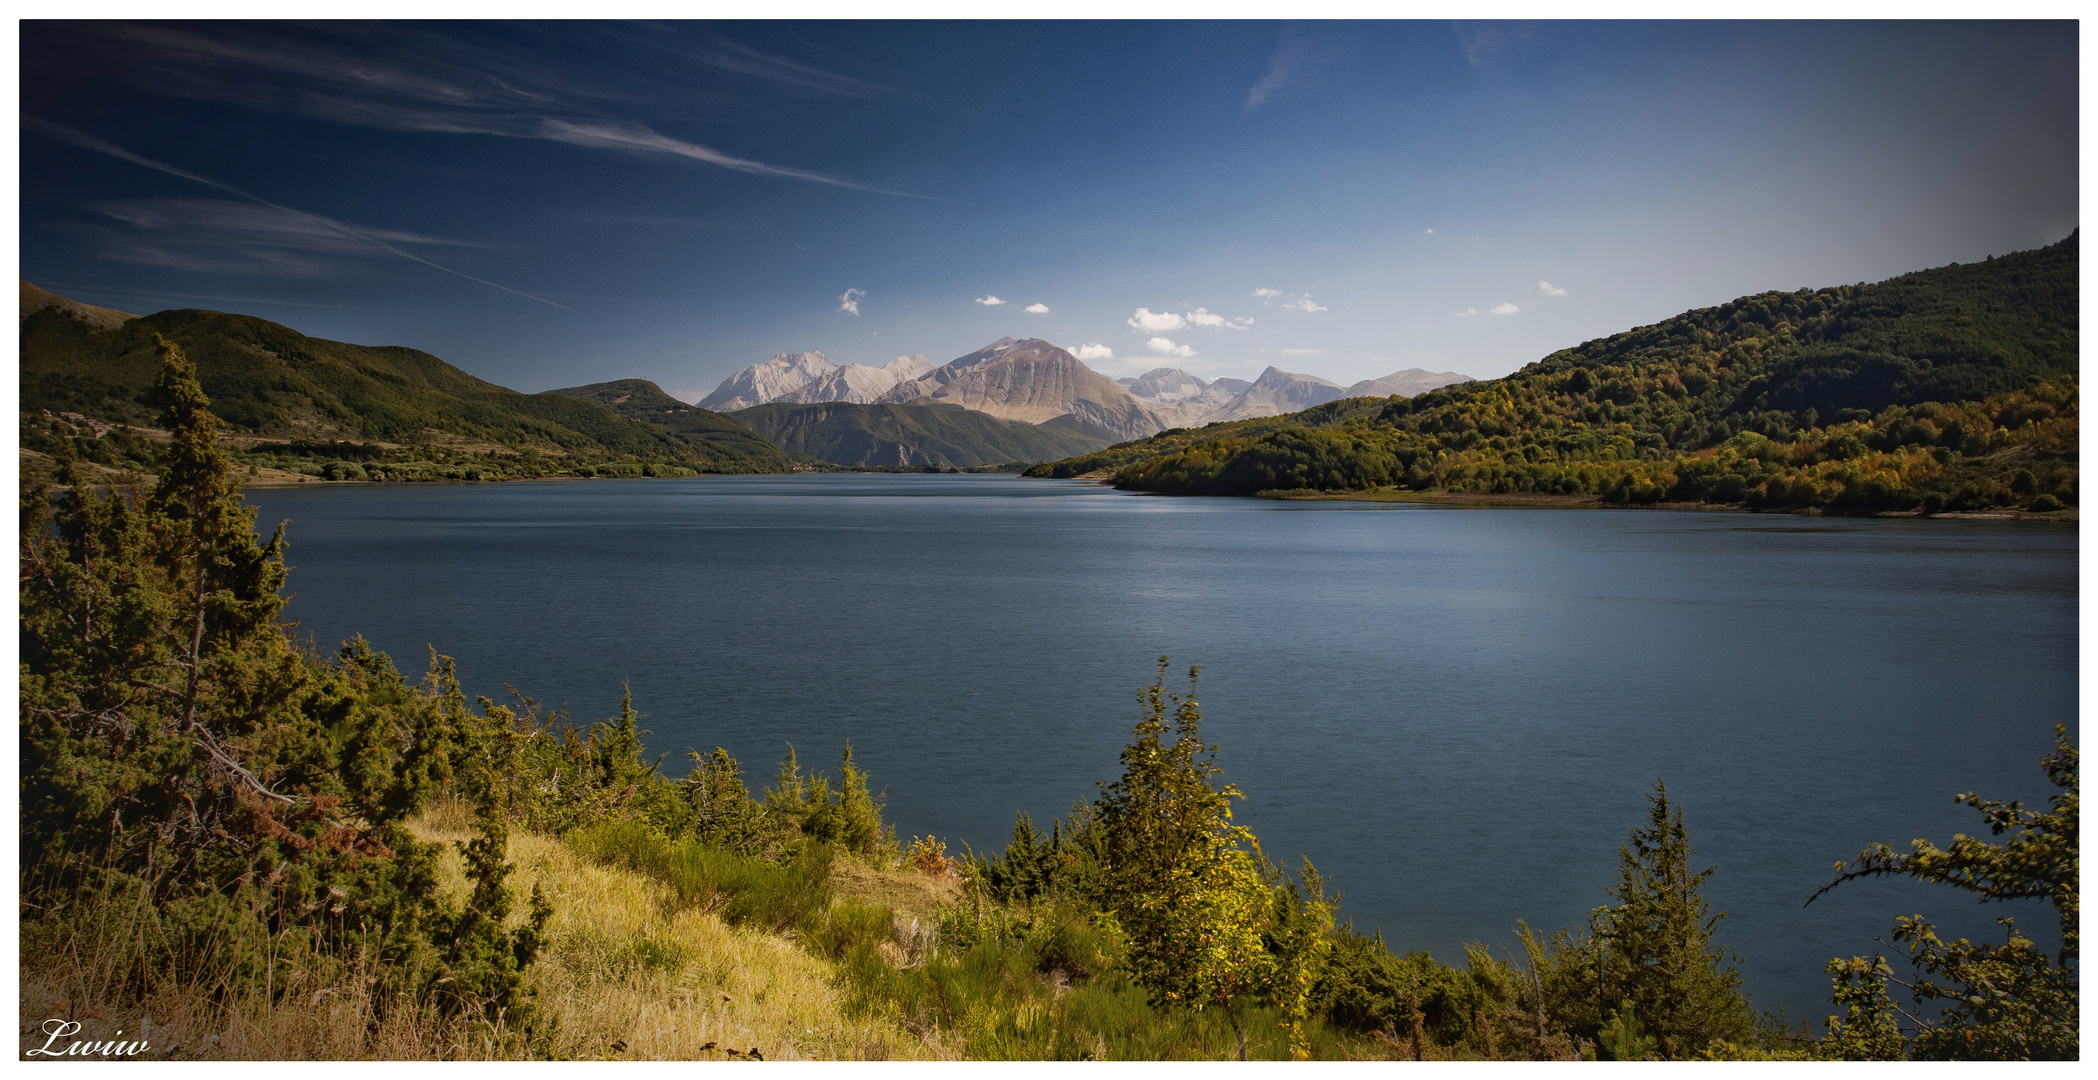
(1947, 389)
(268, 853)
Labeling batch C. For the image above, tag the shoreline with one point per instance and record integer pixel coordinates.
(1536, 501)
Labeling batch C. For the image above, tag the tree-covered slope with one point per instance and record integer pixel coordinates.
(1947, 388)
(1174, 440)
(944, 435)
(644, 401)
(265, 379)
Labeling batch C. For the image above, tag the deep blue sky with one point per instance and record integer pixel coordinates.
(675, 202)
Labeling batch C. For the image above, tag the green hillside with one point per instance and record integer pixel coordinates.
(1173, 440)
(269, 381)
(1952, 388)
(644, 401)
(943, 435)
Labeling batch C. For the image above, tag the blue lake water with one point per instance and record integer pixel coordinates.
(1455, 713)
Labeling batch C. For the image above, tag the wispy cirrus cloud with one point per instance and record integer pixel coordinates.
(220, 234)
(849, 300)
(650, 221)
(728, 56)
(1295, 52)
(1483, 43)
(92, 144)
(412, 78)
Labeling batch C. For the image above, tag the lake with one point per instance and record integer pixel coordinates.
(1455, 713)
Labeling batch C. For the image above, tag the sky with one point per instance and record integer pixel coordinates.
(554, 204)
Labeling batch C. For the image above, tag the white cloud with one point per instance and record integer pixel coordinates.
(989, 301)
(1304, 303)
(1504, 308)
(1551, 289)
(1147, 319)
(1267, 292)
(1094, 351)
(1429, 232)
(1036, 309)
(849, 301)
(1165, 347)
(1468, 313)
(1208, 318)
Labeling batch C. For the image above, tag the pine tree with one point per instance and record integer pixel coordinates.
(1647, 964)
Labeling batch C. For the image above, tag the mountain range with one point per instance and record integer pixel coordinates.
(1015, 400)
(1033, 381)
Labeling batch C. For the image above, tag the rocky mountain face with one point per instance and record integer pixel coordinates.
(1277, 392)
(859, 384)
(1405, 383)
(802, 378)
(760, 383)
(1182, 399)
(1033, 381)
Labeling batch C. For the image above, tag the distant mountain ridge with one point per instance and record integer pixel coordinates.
(1034, 381)
(1189, 402)
(811, 377)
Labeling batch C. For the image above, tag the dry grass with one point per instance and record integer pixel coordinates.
(623, 976)
(905, 891)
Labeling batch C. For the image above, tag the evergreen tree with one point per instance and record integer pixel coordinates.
(179, 751)
(1647, 966)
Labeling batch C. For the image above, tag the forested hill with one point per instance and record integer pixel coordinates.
(1950, 388)
(903, 435)
(267, 380)
(645, 402)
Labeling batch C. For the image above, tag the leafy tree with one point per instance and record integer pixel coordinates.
(1205, 926)
(2008, 1001)
(1649, 959)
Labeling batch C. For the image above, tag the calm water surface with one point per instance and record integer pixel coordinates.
(1455, 713)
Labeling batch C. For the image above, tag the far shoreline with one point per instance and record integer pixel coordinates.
(1473, 500)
